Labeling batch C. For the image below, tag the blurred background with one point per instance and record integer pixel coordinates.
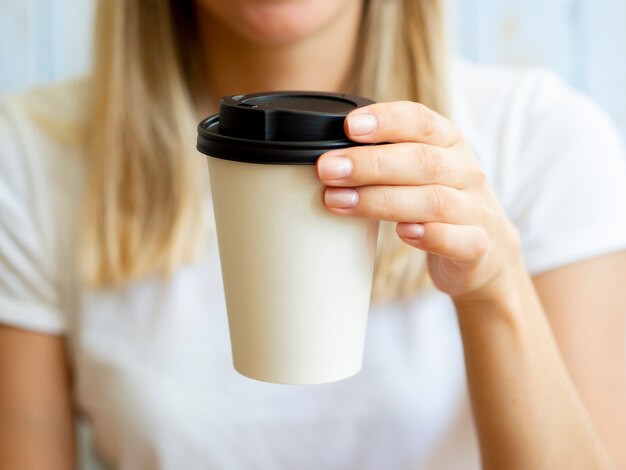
(584, 41)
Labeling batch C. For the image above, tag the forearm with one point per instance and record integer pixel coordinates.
(33, 443)
(425, 176)
(527, 411)
(36, 412)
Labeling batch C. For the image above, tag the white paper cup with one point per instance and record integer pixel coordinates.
(297, 278)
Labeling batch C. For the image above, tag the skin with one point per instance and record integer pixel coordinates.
(310, 50)
(36, 416)
(545, 356)
(546, 371)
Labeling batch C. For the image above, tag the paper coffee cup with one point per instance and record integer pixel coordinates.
(297, 278)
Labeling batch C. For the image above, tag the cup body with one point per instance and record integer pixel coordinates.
(297, 278)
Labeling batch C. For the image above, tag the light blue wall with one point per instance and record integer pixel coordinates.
(43, 40)
(583, 40)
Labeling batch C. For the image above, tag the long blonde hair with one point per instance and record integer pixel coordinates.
(143, 207)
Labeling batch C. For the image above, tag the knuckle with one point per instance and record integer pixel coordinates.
(438, 202)
(430, 162)
(402, 110)
(427, 119)
(375, 163)
(382, 203)
(412, 112)
(404, 106)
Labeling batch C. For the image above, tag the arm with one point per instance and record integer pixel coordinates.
(36, 419)
(528, 410)
(586, 306)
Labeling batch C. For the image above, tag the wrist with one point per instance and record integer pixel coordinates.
(505, 318)
(509, 296)
(509, 271)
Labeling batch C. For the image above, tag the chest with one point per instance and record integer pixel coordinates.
(154, 376)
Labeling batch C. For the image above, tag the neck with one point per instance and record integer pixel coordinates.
(321, 62)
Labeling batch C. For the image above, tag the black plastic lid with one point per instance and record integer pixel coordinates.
(293, 127)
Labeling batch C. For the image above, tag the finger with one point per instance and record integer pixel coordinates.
(400, 121)
(396, 164)
(431, 203)
(456, 242)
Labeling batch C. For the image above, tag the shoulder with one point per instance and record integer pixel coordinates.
(55, 113)
(516, 102)
(472, 83)
(42, 134)
(523, 121)
(41, 155)
(41, 163)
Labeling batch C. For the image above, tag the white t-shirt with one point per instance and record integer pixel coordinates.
(152, 362)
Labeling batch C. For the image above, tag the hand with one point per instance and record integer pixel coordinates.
(425, 177)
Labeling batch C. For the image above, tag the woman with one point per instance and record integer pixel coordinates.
(111, 297)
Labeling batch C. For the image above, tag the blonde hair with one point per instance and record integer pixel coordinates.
(144, 196)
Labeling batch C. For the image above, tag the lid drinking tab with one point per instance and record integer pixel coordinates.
(279, 127)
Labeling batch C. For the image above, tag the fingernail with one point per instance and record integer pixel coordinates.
(341, 198)
(415, 231)
(334, 168)
(361, 124)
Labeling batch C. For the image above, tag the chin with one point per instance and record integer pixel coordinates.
(275, 22)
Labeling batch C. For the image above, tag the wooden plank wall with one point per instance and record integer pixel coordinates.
(583, 40)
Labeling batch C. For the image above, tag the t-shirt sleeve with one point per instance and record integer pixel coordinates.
(28, 289)
(567, 191)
